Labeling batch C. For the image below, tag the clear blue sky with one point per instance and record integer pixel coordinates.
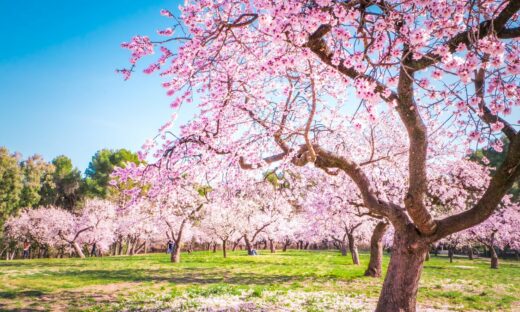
(59, 93)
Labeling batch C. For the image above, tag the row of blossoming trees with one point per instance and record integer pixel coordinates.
(241, 210)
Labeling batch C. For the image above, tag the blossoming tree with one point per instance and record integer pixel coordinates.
(267, 75)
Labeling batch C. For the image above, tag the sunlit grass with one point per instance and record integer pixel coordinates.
(77, 283)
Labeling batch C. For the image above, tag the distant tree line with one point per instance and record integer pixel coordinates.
(34, 182)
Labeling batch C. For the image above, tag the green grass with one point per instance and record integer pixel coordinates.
(96, 282)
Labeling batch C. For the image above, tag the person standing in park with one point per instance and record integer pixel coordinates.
(26, 248)
(169, 248)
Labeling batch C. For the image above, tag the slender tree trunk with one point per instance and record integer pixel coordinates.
(343, 248)
(427, 256)
(470, 252)
(214, 247)
(224, 248)
(494, 257)
(450, 254)
(401, 283)
(353, 249)
(248, 246)
(133, 246)
(265, 244)
(285, 245)
(306, 245)
(78, 250)
(235, 245)
(375, 266)
(139, 248)
(272, 247)
(128, 246)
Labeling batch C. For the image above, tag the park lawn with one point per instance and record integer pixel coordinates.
(126, 282)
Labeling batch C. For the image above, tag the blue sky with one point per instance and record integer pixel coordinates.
(59, 93)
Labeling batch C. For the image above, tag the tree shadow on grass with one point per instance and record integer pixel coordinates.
(27, 293)
(200, 276)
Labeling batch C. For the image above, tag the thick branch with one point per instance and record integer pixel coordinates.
(418, 149)
(500, 184)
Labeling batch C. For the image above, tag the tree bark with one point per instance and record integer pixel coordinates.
(450, 254)
(401, 283)
(248, 246)
(214, 247)
(176, 253)
(224, 248)
(343, 248)
(93, 250)
(427, 256)
(272, 247)
(494, 257)
(375, 266)
(285, 245)
(235, 245)
(128, 247)
(470, 252)
(352, 246)
(78, 250)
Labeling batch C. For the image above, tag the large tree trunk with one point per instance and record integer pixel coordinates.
(375, 266)
(399, 291)
(78, 250)
(494, 257)
(352, 246)
(176, 253)
(224, 248)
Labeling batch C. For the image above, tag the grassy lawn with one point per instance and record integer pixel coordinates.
(152, 282)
